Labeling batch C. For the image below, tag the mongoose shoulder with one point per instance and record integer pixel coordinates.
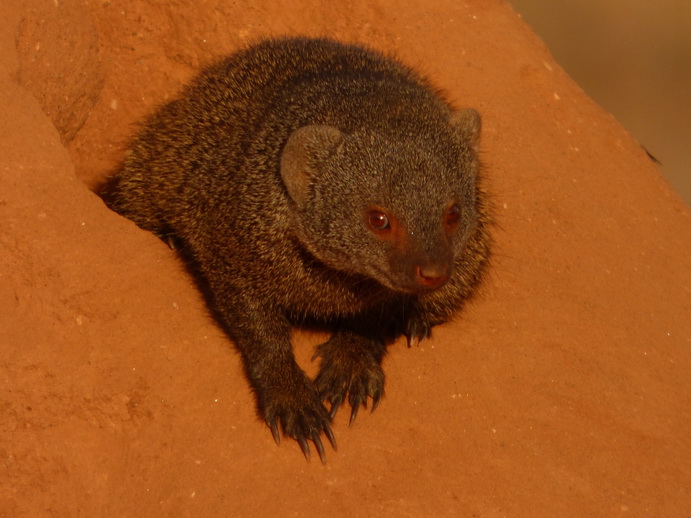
(310, 180)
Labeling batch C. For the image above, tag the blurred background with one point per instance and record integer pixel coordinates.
(633, 57)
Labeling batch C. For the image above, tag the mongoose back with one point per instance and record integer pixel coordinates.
(308, 180)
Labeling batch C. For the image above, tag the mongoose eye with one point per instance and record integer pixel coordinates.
(378, 220)
(452, 217)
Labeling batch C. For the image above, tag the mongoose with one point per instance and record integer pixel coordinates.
(308, 180)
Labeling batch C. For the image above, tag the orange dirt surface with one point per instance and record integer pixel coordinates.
(563, 389)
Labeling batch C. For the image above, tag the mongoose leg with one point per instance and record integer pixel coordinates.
(285, 395)
(351, 366)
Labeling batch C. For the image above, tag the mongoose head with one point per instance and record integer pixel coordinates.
(396, 206)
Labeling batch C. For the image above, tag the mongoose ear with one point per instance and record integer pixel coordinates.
(467, 124)
(305, 149)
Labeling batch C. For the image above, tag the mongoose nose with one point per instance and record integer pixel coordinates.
(430, 277)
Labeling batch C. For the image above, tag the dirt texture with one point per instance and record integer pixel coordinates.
(563, 389)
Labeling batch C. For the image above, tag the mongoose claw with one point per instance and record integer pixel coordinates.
(335, 405)
(302, 439)
(330, 435)
(304, 446)
(349, 370)
(353, 413)
(376, 398)
(320, 447)
(316, 439)
(417, 331)
(275, 432)
(299, 414)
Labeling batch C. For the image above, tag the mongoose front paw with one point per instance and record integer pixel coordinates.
(417, 329)
(349, 371)
(302, 416)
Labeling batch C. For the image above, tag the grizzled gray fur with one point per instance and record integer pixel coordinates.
(307, 180)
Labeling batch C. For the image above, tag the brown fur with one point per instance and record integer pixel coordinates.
(277, 170)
